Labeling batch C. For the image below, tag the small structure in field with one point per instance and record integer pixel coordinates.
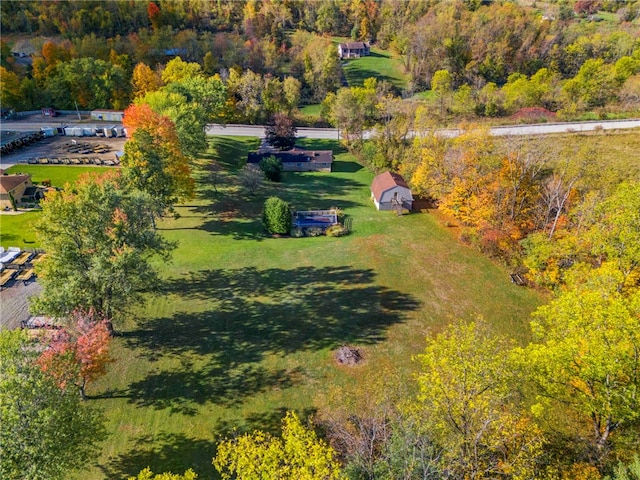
(389, 191)
(353, 50)
(321, 219)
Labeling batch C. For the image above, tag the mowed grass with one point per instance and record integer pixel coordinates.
(311, 110)
(379, 64)
(18, 230)
(245, 324)
(58, 175)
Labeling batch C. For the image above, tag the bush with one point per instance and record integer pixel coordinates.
(336, 231)
(297, 232)
(272, 168)
(276, 216)
(250, 178)
(313, 232)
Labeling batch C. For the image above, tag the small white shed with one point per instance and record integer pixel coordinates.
(389, 191)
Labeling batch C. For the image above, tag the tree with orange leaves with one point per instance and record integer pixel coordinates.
(79, 354)
(153, 161)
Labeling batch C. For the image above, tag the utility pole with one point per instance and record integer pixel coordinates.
(78, 111)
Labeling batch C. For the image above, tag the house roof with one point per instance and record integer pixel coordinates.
(354, 45)
(386, 181)
(8, 183)
(294, 155)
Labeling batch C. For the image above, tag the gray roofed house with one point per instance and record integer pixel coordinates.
(297, 160)
(353, 50)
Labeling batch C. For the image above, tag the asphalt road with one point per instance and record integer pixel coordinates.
(34, 124)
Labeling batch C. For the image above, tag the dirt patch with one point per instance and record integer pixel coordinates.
(346, 355)
(14, 306)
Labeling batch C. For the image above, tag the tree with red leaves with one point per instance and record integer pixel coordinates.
(78, 354)
(155, 15)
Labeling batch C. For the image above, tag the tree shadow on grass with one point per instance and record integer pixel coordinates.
(165, 452)
(255, 313)
(240, 216)
(176, 452)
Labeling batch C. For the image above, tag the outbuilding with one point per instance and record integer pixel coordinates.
(13, 188)
(389, 191)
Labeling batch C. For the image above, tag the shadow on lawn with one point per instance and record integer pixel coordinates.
(164, 453)
(239, 215)
(177, 453)
(254, 313)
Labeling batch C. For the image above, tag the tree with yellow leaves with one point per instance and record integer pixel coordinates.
(468, 402)
(298, 455)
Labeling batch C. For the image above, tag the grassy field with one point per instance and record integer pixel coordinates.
(58, 175)
(17, 230)
(246, 324)
(379, 64)
(311, 110)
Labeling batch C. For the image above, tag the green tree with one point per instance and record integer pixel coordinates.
(272, 168)
(627, 472)
(177, 70)
(585, 355)
(468, 401)
(298, 455)
(189, 118)
(276, 216)
(442, 86)
(292, 87)
(99, 241)
(46, 431)
(250, 89)
(615, 235)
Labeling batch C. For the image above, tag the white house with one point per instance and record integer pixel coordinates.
(353, 50)
(389, 191)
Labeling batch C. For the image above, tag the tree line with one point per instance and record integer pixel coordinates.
(499, 56)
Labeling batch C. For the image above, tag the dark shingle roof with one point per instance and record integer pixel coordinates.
(294, 156)
(354, 45)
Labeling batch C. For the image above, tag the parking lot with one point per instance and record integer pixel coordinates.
(61, 150)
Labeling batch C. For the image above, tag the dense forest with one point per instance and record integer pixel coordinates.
(499, 56)
(565, 406)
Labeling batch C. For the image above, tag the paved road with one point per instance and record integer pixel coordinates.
(33, 124)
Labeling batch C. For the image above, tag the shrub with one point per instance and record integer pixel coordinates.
(313, 231)
(297, 232)
(276, 216)
(251, 178)
(272, 168)
(336, 231)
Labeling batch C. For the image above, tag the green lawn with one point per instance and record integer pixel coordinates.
(17, 230)
(57, 174)
(245, 325)
(379, 64)
(311, 110)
